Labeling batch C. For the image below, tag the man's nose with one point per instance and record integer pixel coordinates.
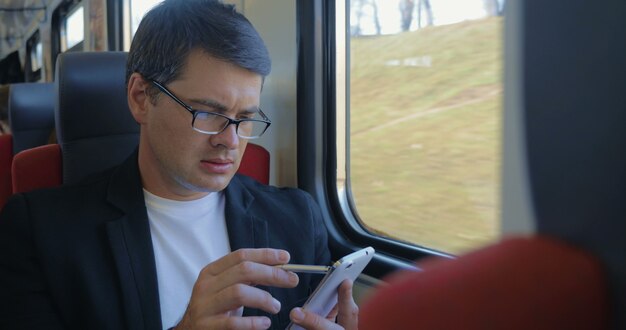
(228, 137)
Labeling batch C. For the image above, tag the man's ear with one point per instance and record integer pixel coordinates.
(138, 100)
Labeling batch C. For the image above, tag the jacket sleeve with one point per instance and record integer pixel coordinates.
(24, 300)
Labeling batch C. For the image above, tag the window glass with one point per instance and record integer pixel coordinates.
(423, 119)
(36, 57)
(74, 28)
(138, 8)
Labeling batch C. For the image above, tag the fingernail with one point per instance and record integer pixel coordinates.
(266, 323)
(297, 314)
(293, 278)
(284, 256)
(276, 305)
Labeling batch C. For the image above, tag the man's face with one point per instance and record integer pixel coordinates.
(180, 163)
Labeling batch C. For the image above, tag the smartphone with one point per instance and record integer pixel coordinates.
(324, 298)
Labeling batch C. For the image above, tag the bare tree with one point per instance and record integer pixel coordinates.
(406, 12)
(376, 20)
(501, 9)
(357, 7)
(428, 12)
(494, 7)
(361, 9)
(491, 7)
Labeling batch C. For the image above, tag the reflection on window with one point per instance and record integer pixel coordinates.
(425, 105)
(138, 8)
(36, 57)
(73, 29)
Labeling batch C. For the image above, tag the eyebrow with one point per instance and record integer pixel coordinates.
(220, 108)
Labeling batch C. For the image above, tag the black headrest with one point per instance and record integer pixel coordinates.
(94, 126)
(31, 114)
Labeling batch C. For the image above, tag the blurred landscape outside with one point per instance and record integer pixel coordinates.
(425, 120)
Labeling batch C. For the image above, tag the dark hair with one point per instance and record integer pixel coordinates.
(170, 31)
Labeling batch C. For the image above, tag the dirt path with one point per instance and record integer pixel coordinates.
(457, 101)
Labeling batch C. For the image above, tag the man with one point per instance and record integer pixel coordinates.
(148, 244)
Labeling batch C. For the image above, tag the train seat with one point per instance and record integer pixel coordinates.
(255, 163)
(27, 173)
(95, 129)
(31, 120)
(519, 283)
(31, 114)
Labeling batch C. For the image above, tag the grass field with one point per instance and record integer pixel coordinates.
(425, 133)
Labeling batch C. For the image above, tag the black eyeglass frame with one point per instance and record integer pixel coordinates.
(231, 121)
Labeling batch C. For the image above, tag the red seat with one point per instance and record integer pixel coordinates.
(520, 283)
(35, 168)
(6, 157)
(255, 163)
(29, 174)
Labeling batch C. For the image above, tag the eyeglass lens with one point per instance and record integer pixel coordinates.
(213, 124)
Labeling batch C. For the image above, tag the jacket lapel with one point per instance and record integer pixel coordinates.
(131, 246)
(245, 230)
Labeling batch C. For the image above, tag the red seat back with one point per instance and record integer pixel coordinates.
(41, 167)
(35, 168)
(521, 283)
(6, 157)
(255, 163)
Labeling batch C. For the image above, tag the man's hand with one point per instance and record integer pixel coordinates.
(346, 313)
(229, 283)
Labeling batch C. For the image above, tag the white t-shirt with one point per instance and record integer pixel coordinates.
(186, 236)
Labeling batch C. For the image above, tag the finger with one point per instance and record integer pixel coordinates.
(258, 274)
(348, 314)
(246, 272)
(239, 295)
(214, 277)
(332, 315)
(311, 321)
(247, 323)
(263, 256)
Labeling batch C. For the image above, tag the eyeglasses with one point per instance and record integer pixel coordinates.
(214, 123)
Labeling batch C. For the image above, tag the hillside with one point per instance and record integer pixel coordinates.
(425, 133)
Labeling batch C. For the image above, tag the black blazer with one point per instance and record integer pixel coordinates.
(80, 256)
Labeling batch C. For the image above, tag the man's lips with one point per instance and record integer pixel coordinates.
(217, 166)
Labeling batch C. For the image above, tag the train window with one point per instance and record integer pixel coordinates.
(36, 57)
(138, 8)
(73, 30)
(34, 49)
(422, 90)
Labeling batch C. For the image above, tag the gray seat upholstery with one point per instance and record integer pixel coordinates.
(31, 114)
(94, 126)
